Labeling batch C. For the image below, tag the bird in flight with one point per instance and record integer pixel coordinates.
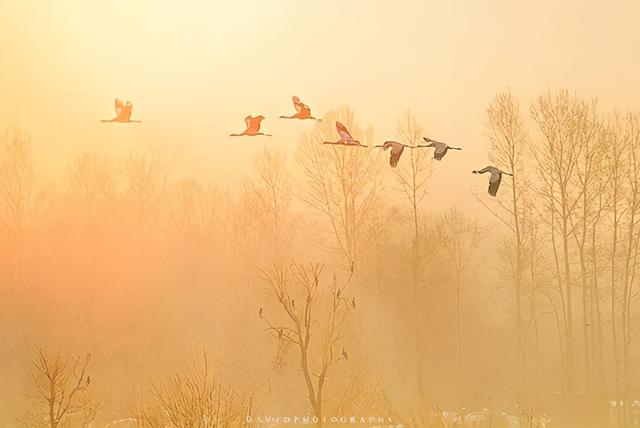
(302, 111)
(123, 113)
(440, 148)
(345, 138)
(396, 151)
(260, 313)
(253, 127)
(495, 179)
(344, 354)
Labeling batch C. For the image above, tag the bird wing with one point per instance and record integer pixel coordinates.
(396, 152)
(393, 144)
(297, 104)
(441, 150)
(494, 183)
(247, 120)
(342, 130)
(119, 106)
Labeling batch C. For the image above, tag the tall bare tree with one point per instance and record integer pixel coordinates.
(269, 197)
(588, 174)
(460, 237)
(561, 120)
(413, 175)
(506, 132)
(16, 191)
(298, 319)
(343, 183)
(616, 164)
(631, 135)
(146, 186)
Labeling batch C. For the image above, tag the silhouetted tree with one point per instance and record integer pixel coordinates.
(62, 391)
(299, 295)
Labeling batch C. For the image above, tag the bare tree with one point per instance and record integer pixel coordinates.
(460, 237)
(268, 198)
(561, 120)
(508, 139)
(631, 135)
(146, 186)
(588, 174)
(16, 191)
(91, 178)
(616, 164)
(412, 176)
(343, 183)
(299, 322)
(197, 398)
(62, 391)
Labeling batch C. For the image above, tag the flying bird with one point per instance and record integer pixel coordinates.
(353, 303)
(396, 151)
(440, 148)
(253, 127)
(495, 179)
(344, 354)
(302, 111)
(123, 113)
(345, 138)
(260, 313)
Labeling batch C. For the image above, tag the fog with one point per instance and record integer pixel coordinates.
(163, 273)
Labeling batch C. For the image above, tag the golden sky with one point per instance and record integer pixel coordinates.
(194, 70)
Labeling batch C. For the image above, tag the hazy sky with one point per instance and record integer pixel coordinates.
(194, 70)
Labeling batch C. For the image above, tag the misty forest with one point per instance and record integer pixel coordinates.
(326, 284)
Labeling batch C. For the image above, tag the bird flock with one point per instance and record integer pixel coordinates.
(303, 112)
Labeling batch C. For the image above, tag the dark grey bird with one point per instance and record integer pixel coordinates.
(396, 151)
(495, 179)
(440, 148)
(353, 303)
(344, 354)
(260, 313)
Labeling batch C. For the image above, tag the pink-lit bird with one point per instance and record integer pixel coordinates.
(345, 138)
(123, 113)
(253, 127)
(302, 111)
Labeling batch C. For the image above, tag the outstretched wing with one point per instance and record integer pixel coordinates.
(441, 150)
(494, 183)
(247, 120)
(395, 156)
(342, 130)
(297, 104)
(119, 106)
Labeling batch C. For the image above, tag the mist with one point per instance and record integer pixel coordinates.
(162, 273)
